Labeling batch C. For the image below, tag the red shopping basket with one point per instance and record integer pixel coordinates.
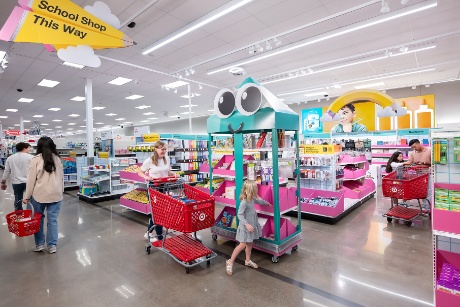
(175, 214)
(24, 222)
(412, 185)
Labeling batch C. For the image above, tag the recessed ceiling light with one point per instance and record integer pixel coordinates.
(71, 124)
(134, 97)
(370, 85)
(48, 83)
(186, 105)
(73, 65)
(175, 84)
(54, 109)
(44, 124)
(38, 116)
(57, 120)
(121, 118)
(25, 100)
(99, 123)
(187, 112)
(74, 115)
(142, 107)
(78, 98)
(11, 110)
(152, 118)
(26, 121)
(120, 81)
(98, 108)
(148, 113)
(110, 114)
(57, 127)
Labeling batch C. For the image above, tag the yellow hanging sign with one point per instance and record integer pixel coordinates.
(151, 137)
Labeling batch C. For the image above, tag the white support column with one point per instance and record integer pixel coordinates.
(89, 118)
(21, 129)
(190, 109)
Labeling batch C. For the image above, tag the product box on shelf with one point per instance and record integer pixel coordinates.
(445, 219)
(326, 203)
(320, 149)
(447, 277)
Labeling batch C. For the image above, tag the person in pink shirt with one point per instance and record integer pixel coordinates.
(420, 155)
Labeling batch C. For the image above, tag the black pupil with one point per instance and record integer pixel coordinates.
(252, 101)
(227, 105)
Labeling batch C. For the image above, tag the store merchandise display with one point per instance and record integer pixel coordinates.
(70, 172)
(440, 151)
(139, 196)
(449, 279)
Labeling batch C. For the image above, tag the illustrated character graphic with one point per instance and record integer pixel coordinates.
(347, 120)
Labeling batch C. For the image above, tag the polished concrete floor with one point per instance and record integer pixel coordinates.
(360, 261)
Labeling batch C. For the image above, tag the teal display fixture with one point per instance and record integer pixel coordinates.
(257, 111)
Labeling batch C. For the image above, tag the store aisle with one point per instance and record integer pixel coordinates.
(361, 261)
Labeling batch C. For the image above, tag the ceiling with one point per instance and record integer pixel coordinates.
(225, 42)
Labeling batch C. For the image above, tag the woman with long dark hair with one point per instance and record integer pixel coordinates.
(45, 185)
(396, 160)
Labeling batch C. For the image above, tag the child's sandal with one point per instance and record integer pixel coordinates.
(251, 264)
(229, 267)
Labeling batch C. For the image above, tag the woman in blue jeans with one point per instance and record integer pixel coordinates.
(45, 185)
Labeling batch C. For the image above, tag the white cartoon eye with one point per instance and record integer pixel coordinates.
(224, 103)
(248, 99)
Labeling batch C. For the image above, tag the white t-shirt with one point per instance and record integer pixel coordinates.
(160, 171)
(17, 166)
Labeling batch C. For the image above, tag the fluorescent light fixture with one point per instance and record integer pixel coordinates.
(57, 127)
(48, 83)
(25, 100)
(186, 105)
(17, 125)
(338, 32)
(26, 121)
(127, 122)
(301, 91)
(134, 97)
(121, 118)
(191, 95)
(148, 113)
(211, 110)
(78, 98)
(71, 124)
(370, 85)
(98, 108)
(143, 107)
(11, 110)
(110, 114)
(391, 76)
(187, 112)
(37, 116)
(173, 116)
(175, 84)
(82, 126)
(219, 12)
(73, 65)
(54, 109)
(152, 118)
(74, 115)
(412, 51)
(44, 124)
(315, 94)
(144, 121)
(99, 123)
(57, 120)
(120, 81)
(48, 129)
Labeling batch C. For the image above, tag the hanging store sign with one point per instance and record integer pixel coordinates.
(151, 137)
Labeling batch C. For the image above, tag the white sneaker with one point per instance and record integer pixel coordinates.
(148, 235)
(39, 248)
(153, 239)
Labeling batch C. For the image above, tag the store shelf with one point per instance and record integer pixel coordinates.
(352, 179)
(94, 181)
(384, 155)
(446, 299)
(390, 146)
(379, 162)
(190, 149)
(446, 234)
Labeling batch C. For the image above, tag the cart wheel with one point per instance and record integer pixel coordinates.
(275, 259)
(147, 249)
(408, 223)
(389, 219)
(214, 237)
(187, 270)
(209, 261)
(295, 247)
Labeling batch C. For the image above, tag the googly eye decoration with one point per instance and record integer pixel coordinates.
(248, 99)
(224, 103)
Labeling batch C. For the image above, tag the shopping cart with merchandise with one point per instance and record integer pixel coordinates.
(181, 208)
(24, 222)
(407, 183)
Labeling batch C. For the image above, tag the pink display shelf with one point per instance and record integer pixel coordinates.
(384, 155)
(307, 194)
(221, 190)
(356, 190)
(203, 189)
(389, 146)
(287, 199)
(131, 176)
(219, 168)
(380, 162)
(346, 159)
(445, 220)
(143, 208)
(353, 174)
(228, 209)
(444, 299)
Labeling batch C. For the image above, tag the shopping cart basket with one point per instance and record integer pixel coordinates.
(179, 207)
(406, 183)
(24, 222)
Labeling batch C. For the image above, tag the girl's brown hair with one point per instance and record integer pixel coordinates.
(158, 145)
(249, 190)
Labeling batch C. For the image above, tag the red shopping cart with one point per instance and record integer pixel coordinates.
(179, 207)
(24, 222)
(406, 183)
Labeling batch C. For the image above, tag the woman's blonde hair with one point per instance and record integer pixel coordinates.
(249, 190)
(158, 145)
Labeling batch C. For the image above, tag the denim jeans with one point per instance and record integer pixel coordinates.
(52, 209)
(158, 228)
(18, 189)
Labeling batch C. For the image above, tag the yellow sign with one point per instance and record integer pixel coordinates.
(151, 137)
(321, 149)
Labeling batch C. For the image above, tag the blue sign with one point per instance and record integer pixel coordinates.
(310, 120)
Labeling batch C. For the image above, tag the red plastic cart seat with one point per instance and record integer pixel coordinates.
(184, 247)
(403, 213)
